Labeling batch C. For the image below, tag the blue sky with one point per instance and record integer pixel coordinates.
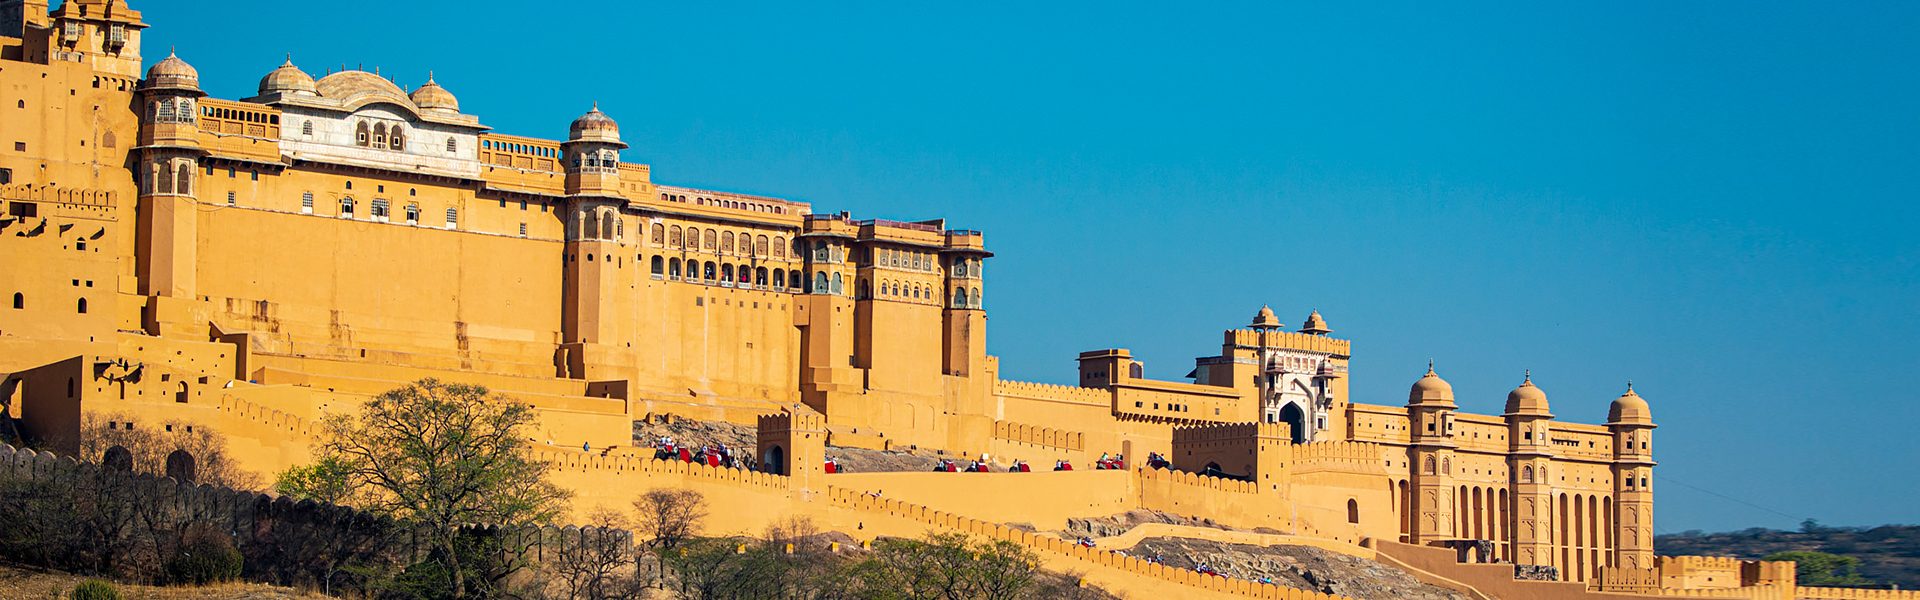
(1715, 200)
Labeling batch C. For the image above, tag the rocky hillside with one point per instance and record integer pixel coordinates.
(1889, 554)
(1300, 567)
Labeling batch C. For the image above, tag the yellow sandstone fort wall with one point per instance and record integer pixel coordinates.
(257, 265)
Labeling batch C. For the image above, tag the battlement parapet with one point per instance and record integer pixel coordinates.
(1196, 480)
(1048, 544)
(1048, 391)
(587, 462)
(1235, 432)
(1286, 340)
(1039, 436)
(1824, 593)
(1362, 457)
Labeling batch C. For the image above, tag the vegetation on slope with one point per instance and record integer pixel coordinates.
(1888, 555)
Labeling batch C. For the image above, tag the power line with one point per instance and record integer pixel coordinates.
(1709, 492)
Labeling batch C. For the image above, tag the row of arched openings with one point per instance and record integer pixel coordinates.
(721, 242)
(1580, 531)
(380, 136)
(729, 275)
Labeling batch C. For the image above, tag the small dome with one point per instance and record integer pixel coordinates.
(1629, 409)
(595, 126)
(433, 97)
(1527, 399)
(171, 73)
(1431, 389)
(1315, 325)
(1266, 320)
(287, 79)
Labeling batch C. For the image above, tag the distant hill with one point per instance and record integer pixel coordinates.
(1889, 554)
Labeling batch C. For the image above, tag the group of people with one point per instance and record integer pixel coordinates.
(715, 455)
(948, 466)
(1107, 462)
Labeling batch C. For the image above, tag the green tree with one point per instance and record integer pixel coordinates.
(327, 480)
(1823, 569)
(437, 455)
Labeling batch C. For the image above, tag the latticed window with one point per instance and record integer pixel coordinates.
(379, 212)
(346, 208)
(413, 214)
(453, 218)
(306, 202)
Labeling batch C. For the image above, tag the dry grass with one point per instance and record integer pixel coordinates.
(24, 583)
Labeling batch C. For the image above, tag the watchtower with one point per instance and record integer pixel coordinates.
(794, 444)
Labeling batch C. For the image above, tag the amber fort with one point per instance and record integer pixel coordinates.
(254, 264)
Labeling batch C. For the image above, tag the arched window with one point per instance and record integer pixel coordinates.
(163, 183)
(609, 226)
(707, 238)
(1526, 474)
(760, 246)
(779, 247)
(861, 290)
(726, 241)
(397, 139)
(819, 283)
(659, 234)
(19, 300)
(836, 284)
(708, 271)
(746, 274)
(726, 273)
(673, 238)
(673, 269)
(975, 296)
(659, 266)
(1353, 511)
(760, 276)
(959, 298)
(183, 182)
(1427, 466)
(83, 306)
(452, 146)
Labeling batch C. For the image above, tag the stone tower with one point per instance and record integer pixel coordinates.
(964, 321)
(598, 272)
(794, 443)
(1530, 453)
(1631, 422)
(1430, 408)
(169, 163)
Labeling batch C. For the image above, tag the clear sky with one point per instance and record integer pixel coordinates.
(1715, 200)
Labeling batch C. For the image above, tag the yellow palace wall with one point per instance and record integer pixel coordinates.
(586, 294)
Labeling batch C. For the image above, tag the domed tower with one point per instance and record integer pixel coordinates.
(598, 273)
(287, 80)
(169, 158)
(433, 98)
(1430, 410)
(1529, 457)
(593, 154)
(1631, 422)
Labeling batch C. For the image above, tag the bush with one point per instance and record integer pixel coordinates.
(94, 589)
(206, 555)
